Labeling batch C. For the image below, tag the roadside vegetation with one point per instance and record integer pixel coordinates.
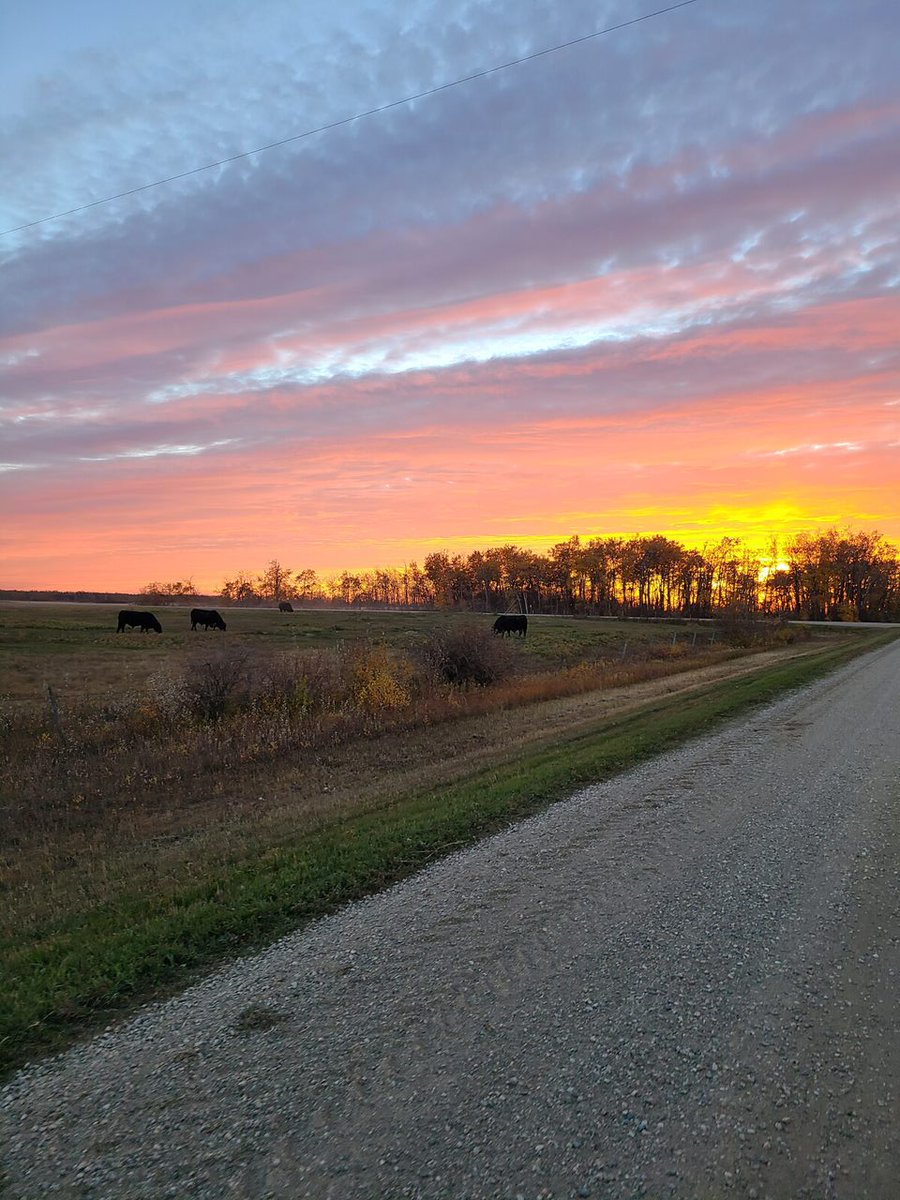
(170, 800)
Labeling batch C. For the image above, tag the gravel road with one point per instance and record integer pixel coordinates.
(681, 983)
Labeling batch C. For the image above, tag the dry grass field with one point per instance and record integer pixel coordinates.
(148, 738)
(174, 797)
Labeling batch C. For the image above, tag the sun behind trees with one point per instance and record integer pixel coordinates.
(832, 576)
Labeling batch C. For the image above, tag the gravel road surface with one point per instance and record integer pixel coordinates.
(681, 983)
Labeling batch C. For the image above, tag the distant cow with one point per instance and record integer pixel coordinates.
(510, 623)
(142, 620)
(206, 617)
(285, 607)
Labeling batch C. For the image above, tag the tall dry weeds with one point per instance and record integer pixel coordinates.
(191, 730)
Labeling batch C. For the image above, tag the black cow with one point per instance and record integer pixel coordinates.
(285, 607)
(206, 617)
(142, 620)
(510, 623)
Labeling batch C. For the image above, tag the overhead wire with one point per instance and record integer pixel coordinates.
(369, 112)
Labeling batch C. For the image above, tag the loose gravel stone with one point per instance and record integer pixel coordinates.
(679, 983)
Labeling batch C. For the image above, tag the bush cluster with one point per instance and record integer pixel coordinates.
(467, 656)
(227, 680)
(743, 627)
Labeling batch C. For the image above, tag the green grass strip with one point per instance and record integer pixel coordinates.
(107, 960)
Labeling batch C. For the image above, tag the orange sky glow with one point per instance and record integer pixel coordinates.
(453, 334)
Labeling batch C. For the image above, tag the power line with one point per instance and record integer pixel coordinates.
(369, 112)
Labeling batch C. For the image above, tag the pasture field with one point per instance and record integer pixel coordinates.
(74, 648)
(146, 832)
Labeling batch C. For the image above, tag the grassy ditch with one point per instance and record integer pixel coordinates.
(82, 968)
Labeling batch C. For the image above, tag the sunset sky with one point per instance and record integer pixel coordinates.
(644, 284)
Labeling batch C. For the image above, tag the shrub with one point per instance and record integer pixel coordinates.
(217, 681)
(281, 684)
(740, 626)
(167, 691)
(468, 655)
(320, 680)
(379, 680)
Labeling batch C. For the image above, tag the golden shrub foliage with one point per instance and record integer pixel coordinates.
(379, 680)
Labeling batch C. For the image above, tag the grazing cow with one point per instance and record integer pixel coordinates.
(206, 617)
(509, 623)
(285, 607)
(142, 620)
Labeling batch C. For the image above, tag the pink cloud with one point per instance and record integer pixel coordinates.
(703, 335)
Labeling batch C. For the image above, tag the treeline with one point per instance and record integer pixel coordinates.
(66, 597)
(833, 576)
